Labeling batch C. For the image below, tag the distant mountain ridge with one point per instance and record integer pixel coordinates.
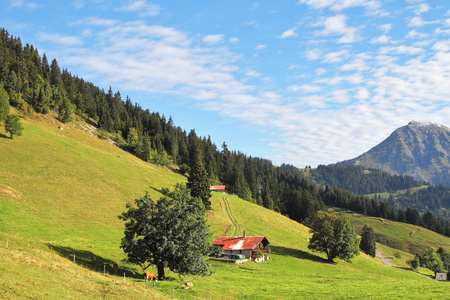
(419, 149)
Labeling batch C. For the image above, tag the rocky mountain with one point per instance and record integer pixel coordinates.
(419, 149)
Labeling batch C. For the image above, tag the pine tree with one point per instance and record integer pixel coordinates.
(4, 104)
(13, 125)
(198, 183)
(368, 241)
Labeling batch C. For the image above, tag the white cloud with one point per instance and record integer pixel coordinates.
(288, 33)
(385, 27)
(234, 40)
(260, 47)
(313, 54)
(414, 34)
(253, 74)
(59, 39)
(382, 39)
(419, 22)
(336, 25)
(334, 57)
(306, 88)
(22, 4)
(213, 39)
(421, 8)
(362, 94)
(371, 6)
(142, 7)
(401, 50)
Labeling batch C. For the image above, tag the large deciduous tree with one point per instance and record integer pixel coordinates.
(333, 236)
(171, 233)
(368, 241)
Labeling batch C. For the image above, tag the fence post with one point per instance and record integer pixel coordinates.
(104, 269)
(7, 240)
(173, 292)
(123, 277)
(74, 258)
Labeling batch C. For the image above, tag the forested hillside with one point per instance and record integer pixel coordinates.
(36, 86)
(400, 191)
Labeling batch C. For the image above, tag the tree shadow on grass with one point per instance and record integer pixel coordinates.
(4, 136)
(298, 254)
(92, 261)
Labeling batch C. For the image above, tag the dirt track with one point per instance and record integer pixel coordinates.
(384, 259)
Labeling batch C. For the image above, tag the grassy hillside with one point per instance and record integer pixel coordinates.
(401, 236)
(62, 190)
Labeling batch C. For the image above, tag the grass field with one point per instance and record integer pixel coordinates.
(62, 190)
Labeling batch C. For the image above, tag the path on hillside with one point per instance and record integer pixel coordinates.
(384, 259)
(234, 223)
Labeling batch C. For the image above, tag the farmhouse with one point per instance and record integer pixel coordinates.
(243, 246)
(217, 188)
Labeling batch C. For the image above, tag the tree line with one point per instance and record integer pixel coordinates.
(36, 86)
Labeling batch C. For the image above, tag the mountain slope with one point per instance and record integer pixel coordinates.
(61, 191)
(418, 149)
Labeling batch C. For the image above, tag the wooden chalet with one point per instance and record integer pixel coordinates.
(217, 188)
(243, 246)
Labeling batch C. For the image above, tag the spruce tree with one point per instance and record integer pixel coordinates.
(13, 125)
(368, 240)
(4, 104)
(198, 183)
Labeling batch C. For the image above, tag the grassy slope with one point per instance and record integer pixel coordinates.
(61, 192)
(398, 235)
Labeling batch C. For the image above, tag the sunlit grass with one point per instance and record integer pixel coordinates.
(62, 190)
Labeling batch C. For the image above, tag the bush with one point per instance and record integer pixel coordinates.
(258, 253)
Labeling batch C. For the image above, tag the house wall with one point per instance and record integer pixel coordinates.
(246, 253)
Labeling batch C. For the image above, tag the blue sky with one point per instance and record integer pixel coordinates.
(304, 82)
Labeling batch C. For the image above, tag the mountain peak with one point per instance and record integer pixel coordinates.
(419, 149)
(423, 124)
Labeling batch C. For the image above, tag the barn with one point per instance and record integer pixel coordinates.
(243, 246)
(217, 188)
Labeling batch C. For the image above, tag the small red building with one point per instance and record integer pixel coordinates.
(243, 246)
(217, 188)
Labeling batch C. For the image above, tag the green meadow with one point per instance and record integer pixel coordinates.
(62, 190)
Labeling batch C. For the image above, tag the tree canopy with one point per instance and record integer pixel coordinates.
(368, 241)
(171, 233)
(13, 125)
(334, 236)
(4, 104)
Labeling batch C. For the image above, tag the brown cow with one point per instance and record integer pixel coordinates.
(149, 275)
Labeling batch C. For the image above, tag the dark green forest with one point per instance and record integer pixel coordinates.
(35, 85)
(425, 198)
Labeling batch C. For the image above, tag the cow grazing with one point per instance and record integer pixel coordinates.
(149, 275)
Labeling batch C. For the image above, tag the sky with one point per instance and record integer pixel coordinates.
(301, 82)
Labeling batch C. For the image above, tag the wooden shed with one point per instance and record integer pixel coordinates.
(441, 276)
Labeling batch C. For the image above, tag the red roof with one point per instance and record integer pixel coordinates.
(217, 187)
(240, 242)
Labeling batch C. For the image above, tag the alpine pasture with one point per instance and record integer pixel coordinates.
(62, 190)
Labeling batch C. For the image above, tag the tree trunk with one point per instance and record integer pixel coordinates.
(161, 274)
